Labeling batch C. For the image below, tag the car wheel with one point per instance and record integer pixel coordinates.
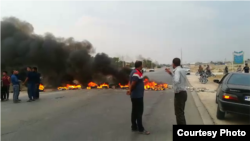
(220, 115)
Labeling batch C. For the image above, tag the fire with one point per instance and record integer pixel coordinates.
(41, 87)
(62, 88)
(151, 85)
(70, 87)
(123, 86)
(74, 86)
(103, 85)
(92, 84)
(148, 85)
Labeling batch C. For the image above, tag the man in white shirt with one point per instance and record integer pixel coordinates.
(179, 85)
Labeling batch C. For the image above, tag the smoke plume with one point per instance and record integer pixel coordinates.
(59, 60)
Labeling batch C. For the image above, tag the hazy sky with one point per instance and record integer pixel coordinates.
(206, 31)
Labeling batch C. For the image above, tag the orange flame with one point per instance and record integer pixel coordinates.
(41, 87)
(68, 86)
(92, 84)
(88, 88)
(103, 85)
(62, 88)
(154, 86)
(123, 86)
(73, 86)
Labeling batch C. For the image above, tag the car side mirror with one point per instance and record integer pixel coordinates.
(217, 81)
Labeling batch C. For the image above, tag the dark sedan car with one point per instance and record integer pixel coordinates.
(233, 94)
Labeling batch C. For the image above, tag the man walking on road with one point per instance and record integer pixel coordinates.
(179, 85)
(6, 85)
(136, 92)
(30, 79)
(15, 83)
(246, 68)
(37, 82)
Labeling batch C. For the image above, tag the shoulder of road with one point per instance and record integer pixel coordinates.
(206, 94)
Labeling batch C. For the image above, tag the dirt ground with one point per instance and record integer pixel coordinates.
(211, 79)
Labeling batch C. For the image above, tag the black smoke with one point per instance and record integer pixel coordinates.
(59, 60)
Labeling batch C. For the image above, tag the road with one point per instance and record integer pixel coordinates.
(92, 115)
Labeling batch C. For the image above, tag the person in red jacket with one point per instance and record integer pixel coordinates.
(6, 86)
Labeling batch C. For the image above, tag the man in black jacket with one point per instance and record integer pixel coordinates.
(246, 68)
(37, 79)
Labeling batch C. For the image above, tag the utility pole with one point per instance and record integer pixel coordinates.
(181, 55)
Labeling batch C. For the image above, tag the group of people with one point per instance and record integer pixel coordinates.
(245, 69)
(239, 69)
(207, 70)
(136, 92)
(226, 71)
(32, 81)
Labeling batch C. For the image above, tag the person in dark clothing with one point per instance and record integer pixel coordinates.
(6, 85)
(30, 80)
(226, 70)
(200, 70)
(246, 68)
(136, 92)
(208, 70)
(37, 82)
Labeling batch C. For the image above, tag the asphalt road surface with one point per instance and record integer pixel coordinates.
(92, 115)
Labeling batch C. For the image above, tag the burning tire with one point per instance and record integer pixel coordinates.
(61, 88)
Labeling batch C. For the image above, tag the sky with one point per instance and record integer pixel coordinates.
(202, 31)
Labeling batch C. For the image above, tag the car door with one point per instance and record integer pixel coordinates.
(220, 85)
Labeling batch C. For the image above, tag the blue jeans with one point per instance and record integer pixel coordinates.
(31, 90)
(15, 92)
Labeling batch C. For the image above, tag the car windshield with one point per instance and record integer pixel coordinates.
(240, 79)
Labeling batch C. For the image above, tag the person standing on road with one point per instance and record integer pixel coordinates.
(239, 69)
(226, 70)
(246, 68)
(136, 92)
(37, 83)
(30, 79)
(15, 83)
(179, 85)
(6, 85)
